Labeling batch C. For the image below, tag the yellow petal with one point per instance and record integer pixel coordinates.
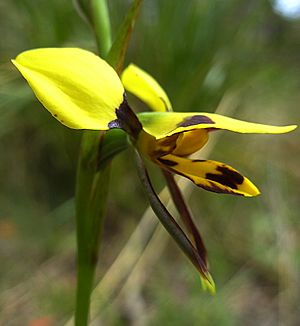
(162, 124)
(181, 144)
(210, 175)
(146, 88)
(189, 142)
(80, 89)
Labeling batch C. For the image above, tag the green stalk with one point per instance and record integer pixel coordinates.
(101, 23)
(91, 187)
(91, 193)
(97, 149)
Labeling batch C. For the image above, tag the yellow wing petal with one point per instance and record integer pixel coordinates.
(146, 88)
(80, 89)
(210, 175)
(162, 124)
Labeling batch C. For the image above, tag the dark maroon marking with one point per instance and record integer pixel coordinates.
(201, 161)
(126, 119)
(227, 177)
(233, 175)
(169, 140)
(167, 162)
(212, 187)
(216, 189)
(159, 152)
(195, 120)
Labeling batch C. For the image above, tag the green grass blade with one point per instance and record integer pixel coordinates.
(118, 50)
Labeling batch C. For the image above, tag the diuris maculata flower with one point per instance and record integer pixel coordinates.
(82, 91)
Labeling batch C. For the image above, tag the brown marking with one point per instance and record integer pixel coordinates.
(214, 188)
(195, 120)
(159, 152)
(201, 161)
(126, 119)
(167, 162)
(227, 177)
(233, 175)
(169, 140)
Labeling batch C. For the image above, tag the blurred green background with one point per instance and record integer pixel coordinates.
(239, 56)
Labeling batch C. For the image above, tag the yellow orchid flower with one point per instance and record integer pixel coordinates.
(82, 91)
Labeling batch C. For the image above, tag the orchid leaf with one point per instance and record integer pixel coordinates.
(119, 47)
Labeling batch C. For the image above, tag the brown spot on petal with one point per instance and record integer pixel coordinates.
(195, 161)
(214, 188)
(167, 162)
(126, 119)
(195, 120)
(227, 177)
(169, 140)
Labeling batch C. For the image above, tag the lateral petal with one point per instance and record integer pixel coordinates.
(210, 175)
(80, 89)
(146, 88)
(162, 124)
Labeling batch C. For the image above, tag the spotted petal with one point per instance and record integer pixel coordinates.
(162, 124)
(80, 89)
(146, 88)
(210, 175)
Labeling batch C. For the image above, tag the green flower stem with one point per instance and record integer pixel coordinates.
(91, 193)
(168, 221)
(91, 187)
(97, 149)
(101, 24)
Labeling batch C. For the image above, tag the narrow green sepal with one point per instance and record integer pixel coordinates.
(169, 222)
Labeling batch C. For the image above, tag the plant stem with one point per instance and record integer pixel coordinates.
(91, 187)
(101, 23)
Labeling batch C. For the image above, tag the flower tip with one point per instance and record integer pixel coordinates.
(253, 193)
(16, 63)
(208, 284)
(292, 127)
